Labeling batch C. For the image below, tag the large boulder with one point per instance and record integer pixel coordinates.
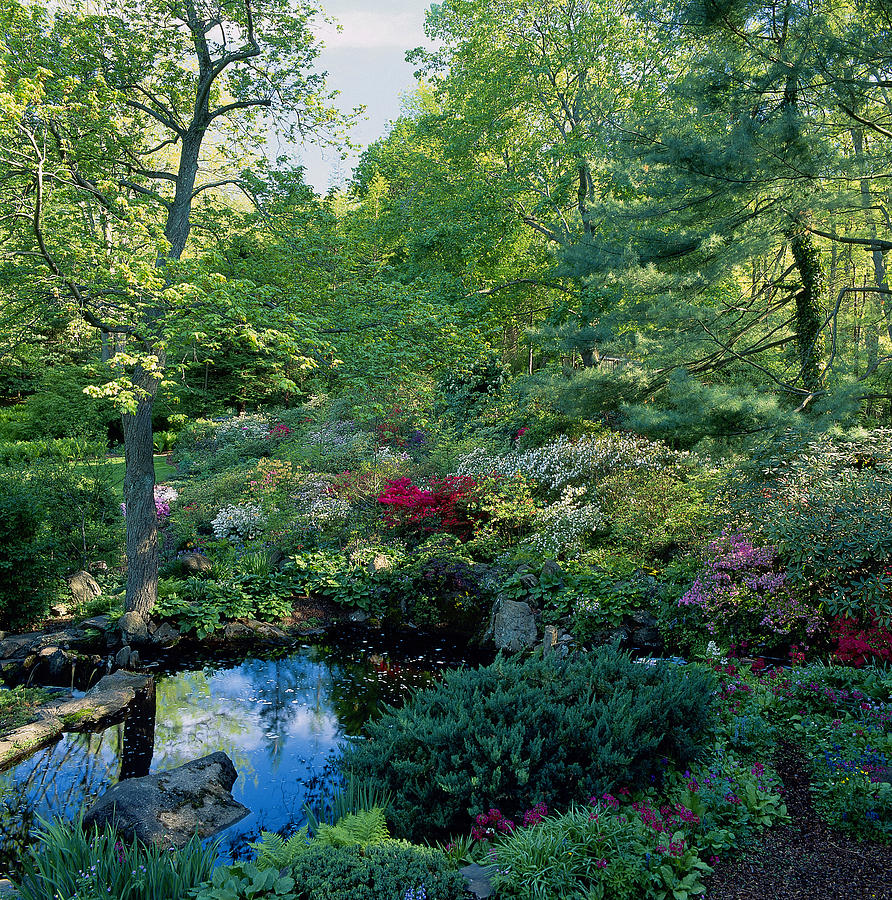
(168, 808)
(133, 628)
(83, 587)
(513, 625)
(195, 564)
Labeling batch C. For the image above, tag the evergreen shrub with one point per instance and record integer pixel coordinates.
(517, 733)
(388, 871)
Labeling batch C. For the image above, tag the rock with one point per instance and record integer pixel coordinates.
(478, 879)
(100, 565)
(100, 623)
(24, 741)
(551, 569)
(7, 889)
(359, 615)
(56, 660)
(133, 628)
(122, 657)
(165, 635)
(551, 639)
(514, 625)
(59, 610)
(83, 587)
(195, 564)
(168, 808)
(237, 631)
(107, 699)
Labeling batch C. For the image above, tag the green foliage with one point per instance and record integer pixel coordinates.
(351, 797)
(275, 852)
(17, 706)
(516, 733)
(827, 508)
(362, 829)
(29, 570)
(598, 855)
(245, 881)
(201, 605)
(71, 862)
(58, 408)
(381, 872)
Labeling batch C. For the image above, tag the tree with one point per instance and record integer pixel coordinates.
(767, 155)
(106, 123)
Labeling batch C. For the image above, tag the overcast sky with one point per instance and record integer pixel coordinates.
(366, 62)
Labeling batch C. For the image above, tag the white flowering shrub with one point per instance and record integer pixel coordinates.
(239, 523)
(241, 429)
(583, 462)
(317, 506)
(334, 434)
(562, 527)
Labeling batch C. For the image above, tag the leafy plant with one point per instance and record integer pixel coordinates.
(361, 829)
(29, 572)
(245, 881)
(276, 852)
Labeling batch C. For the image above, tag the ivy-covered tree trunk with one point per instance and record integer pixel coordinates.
(139, 499)
(809, 307)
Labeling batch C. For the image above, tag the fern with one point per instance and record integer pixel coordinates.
(362, 829)
(275, 852)
(352, 797)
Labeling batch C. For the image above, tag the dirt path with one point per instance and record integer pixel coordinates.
(806, 860)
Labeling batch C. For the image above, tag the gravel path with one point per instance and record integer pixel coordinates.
(806, 860)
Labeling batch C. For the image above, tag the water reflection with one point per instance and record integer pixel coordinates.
(279, 717)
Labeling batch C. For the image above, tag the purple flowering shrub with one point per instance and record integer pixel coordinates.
(743, 594)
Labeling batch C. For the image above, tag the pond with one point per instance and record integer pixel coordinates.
(280, 716)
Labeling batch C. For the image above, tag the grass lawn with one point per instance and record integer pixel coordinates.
(163, 471)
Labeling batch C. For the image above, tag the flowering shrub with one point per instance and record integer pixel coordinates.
(239, 523)
(583, 462)
(742, 594)
(339, 434)
(164, 496)
(318, 505)
(241, 429)
(827, 508)
(271, 476)
(563, 527)
(858, 644)
(442, 507)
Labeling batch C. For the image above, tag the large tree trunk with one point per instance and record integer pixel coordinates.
(139, 499)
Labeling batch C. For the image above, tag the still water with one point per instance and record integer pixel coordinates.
(279, 716)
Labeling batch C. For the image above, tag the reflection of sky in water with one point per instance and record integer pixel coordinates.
(278, 720)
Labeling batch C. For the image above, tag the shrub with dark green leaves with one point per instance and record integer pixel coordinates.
(517, 733)
(29, 573)
(389, 871)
